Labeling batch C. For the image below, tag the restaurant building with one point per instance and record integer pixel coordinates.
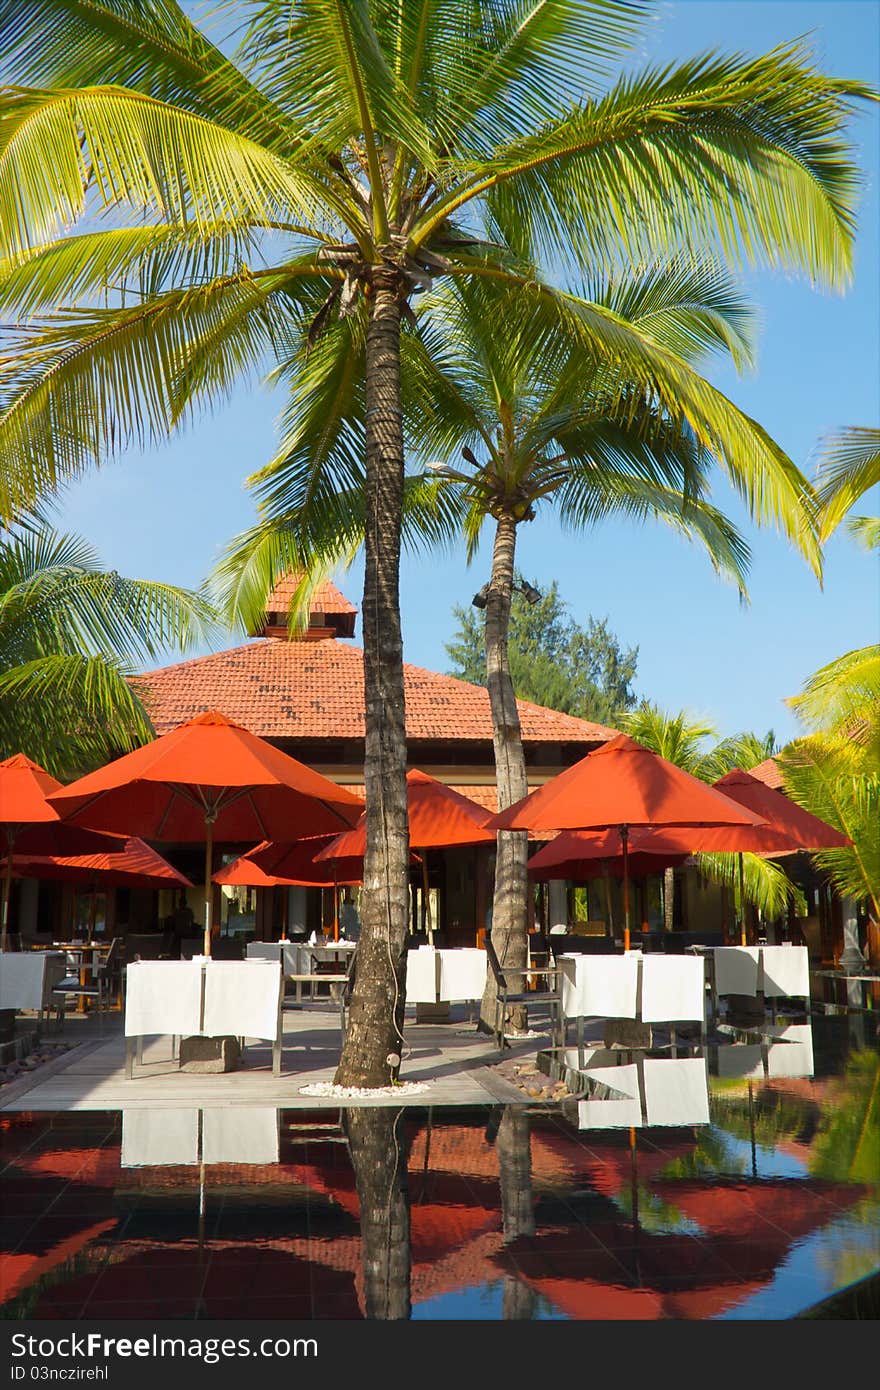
(304, 694)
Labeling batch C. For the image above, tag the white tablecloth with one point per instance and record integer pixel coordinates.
(791, 1054)
(462, 974)
(153, 1137)
(421, 976)
(288, 952)
(240, 1134)
(676, 1091)
(673, 988)
(599, 986)
(27, 977)
(241, 998)
(786, 971)
(163, 996)
(233, 1134)
(736, 969)
(741, 1059)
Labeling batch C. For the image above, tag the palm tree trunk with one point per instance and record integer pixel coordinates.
(513, 1146)
(377, 1144)
(509, 914)
(372, 1048)
(668, 898)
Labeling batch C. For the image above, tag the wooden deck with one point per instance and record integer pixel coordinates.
(452, 1060)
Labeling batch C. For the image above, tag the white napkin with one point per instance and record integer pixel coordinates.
(241, 998)
(672, 988)
(162, 996)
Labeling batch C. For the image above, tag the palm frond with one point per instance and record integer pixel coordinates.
(91, 381)
(743, 155)
(845, 694)
(765, 884)
(848, 467)
(138, 153)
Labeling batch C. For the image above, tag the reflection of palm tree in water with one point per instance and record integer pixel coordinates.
(512, 1144)
(378, 1154)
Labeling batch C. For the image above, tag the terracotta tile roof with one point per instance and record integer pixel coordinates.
(768, 773)
(326, 598)
(314, 690)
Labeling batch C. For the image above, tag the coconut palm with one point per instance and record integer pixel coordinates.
(70, 631)
(834, 771)
(849, 467)
(354, 150)
(553, 427)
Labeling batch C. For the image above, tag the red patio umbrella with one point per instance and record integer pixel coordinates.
(29, 823)
(583, 855)
(269, 865)
(439, 818)
(208, 779)
(133, 865)
(623, 784)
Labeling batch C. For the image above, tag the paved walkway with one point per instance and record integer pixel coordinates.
(452, 1060)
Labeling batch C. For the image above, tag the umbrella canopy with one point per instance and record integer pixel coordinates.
(270, 865)
(439, 818)
(29, 823)
(133, 865)
(581, 856)
(208, 779)
(783, 816)
(623, 784)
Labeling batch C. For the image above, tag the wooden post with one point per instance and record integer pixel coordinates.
(624, 842)
(209, 887)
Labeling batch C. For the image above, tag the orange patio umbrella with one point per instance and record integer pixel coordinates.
(132, 865)
(29, 823)
(270, 865)
(208, 779)
(619, 785)
(439, 818)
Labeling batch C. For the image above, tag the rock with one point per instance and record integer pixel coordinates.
(627, 1033)
(207, 1056)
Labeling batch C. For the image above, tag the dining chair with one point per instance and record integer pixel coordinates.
(99, 990)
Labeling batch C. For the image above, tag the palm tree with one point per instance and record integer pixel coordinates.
(834, 771)
(550, 427)
(681, 739)
(848, 467)
(355, 150)
(70, 631)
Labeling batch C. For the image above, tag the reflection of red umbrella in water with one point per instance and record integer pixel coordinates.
(439, 818)
(29, 824)
(208, 779)
(619, 785)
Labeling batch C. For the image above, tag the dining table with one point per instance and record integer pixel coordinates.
(83, 957)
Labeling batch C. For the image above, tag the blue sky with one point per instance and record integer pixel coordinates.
(165, 513)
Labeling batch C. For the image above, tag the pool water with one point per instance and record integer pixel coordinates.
(761, 1209)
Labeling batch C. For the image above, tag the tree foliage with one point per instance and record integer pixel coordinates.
(554, 660)
(70, 633)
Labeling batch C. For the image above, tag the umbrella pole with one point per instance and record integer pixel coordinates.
(7, 885)
(209, 887)
(624, 841)
(742, 904)
(609, 910)
(335, 906)
(426, 900)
